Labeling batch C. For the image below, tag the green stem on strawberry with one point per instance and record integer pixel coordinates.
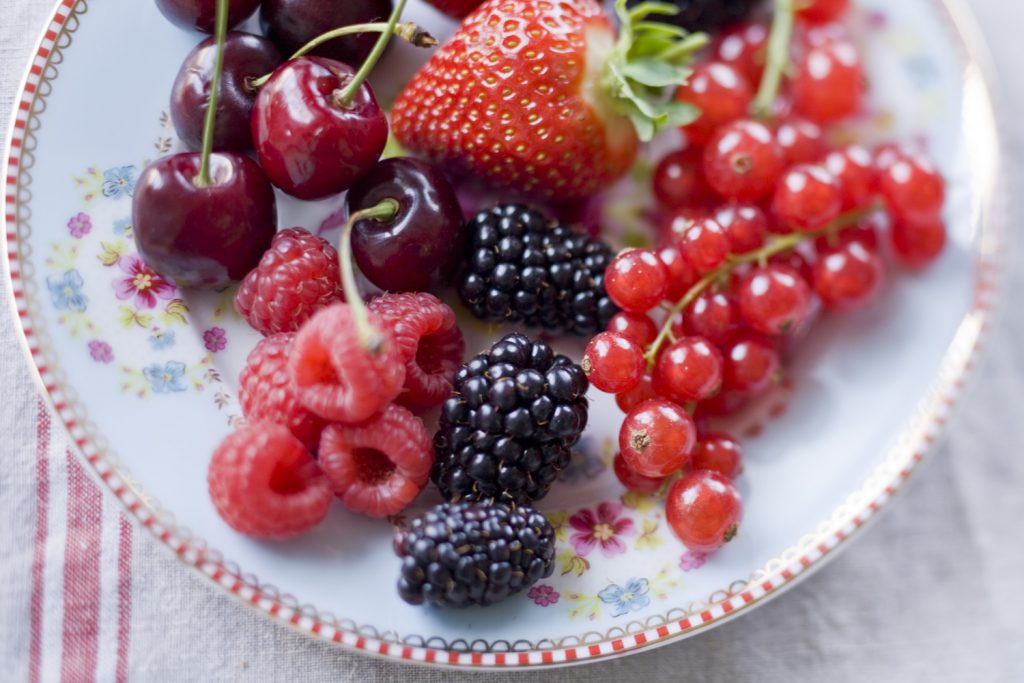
(777, 57)
(369, 336)
(776, 245)
(221, 32)
(350, 90)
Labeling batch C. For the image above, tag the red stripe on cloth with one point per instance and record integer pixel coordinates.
(81, 576)
(124, 597)
(35, 651)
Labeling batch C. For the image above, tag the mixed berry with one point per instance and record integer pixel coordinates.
(763, 221)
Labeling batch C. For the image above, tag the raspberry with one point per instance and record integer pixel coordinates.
(431, 342)
(266, 391)
(379, 467)
(296, 277)
(335, 376)
(264, 483)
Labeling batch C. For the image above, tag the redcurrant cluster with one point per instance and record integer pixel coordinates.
(764, 223)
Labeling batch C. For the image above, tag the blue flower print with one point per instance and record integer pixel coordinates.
(624, 600)
(123, 226)
(161, 340)
(166, 378)
(119, 182)
(66, 291)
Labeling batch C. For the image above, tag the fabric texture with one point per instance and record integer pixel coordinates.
(931, 592)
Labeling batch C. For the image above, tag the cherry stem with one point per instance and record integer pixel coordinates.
(369, 336)
(777, 58)
(350, 90)
(409, 31)
(203, 179)
(775, 245)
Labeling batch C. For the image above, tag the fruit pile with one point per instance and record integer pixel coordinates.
(542, 103)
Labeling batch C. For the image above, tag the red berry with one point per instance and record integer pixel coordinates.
(829, 83)
(681, 276)
(679, 182)
(721, 94)
(742, 161)
(718, 453)
(704, 510)
(745, 226)
(266, 391)
(675, 225)
(429, 337)
(636, 280)
(379, 467)
(711, 315)
(335, 376)
(822, 11)
(773, 299)
(688, 370)
(264, 483)
(744, 47)
(913, 188)
(917, 243)
(643, 391)
(296, 277)
(854, 168)
(886, 155)
(849, 276)
(801, 141)
(751, 366)
(796, 261)
(612, 363)
(704, 245)
(807, 198)
(723, 404)
(657, 438)
(636, 327)
(633, 481)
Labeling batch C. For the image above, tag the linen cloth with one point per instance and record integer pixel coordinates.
(931, 593)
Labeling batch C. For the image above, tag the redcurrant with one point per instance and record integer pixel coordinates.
(912, 187)
(689, 370)
(712, 315)
(807, 198)
(704, 245)
(745, 48)
(745, 226)
(742, 161)
(643, 391)
(916, 243)
(704, 510)
(829, 83)
(823, 11)
(719, 453)
(636, 280)
(636, 327)
(720, 92)
(751, 366)
(681, 276)
(613, 363)
(801, 141)
(657, 438)
(678, 180)
(854, 168)
(675, 225)
(849, 276)
(773, 299)
(633, 481)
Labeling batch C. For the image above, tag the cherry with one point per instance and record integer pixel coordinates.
(807, 198)
(912, 186)
(689, 370)
(633, 481)
(854, 168)
(246, 57)
(636, 327)
(681, 276)
(745, 48)
(718, 453)
(636, 280)
(704, 245)
(711, 315)
(203, 235)
(916, 243)
(704, 510)
(417, 250)
(315, 137)
(657, 438)
(678, 180)
(773, 299)
(751, 366)
(742, 161)
(849, 276)
(745, 226)
(720, 92)
(293, 23)
(613, 363)
(802, 141)
(829, 83)
(643, 391)
(201, 15)
(823, 11)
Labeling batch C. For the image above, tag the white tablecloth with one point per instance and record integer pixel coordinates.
(932, 592)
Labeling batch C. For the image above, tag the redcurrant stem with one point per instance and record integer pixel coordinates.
(221, 32)
(350, 90)
(776, 245)
(777, 58)
(369, 336)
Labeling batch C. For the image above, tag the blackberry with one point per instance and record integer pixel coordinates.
(460, 554)
(705, 15)
(523, 268)
(507, 430)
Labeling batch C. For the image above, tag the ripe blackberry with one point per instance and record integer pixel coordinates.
(705, 15)
(460, 554)
(523, 268)
(506, 432)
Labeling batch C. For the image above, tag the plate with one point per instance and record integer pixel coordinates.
(144, 378)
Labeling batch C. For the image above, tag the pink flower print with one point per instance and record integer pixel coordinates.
(603, 527)
(692, 559)
(143, 284)
(215, 339)
(543, 594)
(80, 225)
(101, 351)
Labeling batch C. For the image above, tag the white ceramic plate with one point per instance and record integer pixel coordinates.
(144, 380)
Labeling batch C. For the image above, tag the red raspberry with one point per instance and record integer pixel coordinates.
(431, 342)
(264, 483)
(335, 376)
(379, 467)
(296, 277)
(266, 391)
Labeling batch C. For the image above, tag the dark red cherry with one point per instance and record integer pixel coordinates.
(203, 236)
(246, 57)
(419, 248)
(310, 143)
(293, 23)
(201, 15)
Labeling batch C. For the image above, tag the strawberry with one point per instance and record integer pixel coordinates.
(539, 96)
(456, 8)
